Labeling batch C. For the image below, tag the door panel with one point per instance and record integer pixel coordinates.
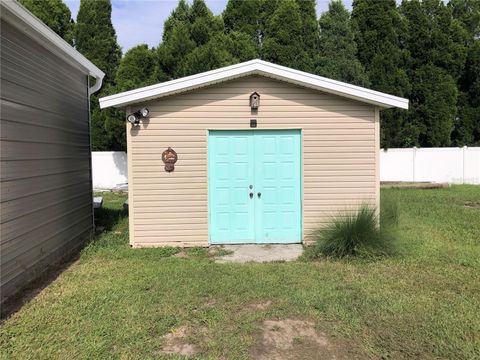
(230, 175)
(269, 161)
(277, 179)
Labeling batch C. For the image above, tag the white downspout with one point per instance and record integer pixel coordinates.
(97, 86)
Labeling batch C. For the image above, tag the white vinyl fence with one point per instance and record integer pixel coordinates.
(450, 165)
(109, 169)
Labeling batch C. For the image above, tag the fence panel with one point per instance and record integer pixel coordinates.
(109, 169)
(450, 165)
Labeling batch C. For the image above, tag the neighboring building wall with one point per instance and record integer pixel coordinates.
(339, 154)
(46, 204)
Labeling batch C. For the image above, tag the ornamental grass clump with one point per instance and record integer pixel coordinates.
(358, 233)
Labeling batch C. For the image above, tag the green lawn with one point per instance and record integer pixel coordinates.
(115, 302)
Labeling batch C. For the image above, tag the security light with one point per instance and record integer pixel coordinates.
(144, 112)
(132, 119)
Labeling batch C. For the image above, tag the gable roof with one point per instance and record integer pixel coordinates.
(254, 67)
(27, 23)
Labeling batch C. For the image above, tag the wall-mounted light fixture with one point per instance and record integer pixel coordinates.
(135, 117)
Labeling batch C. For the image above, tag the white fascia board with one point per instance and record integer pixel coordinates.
(254, 67)
(31, 26)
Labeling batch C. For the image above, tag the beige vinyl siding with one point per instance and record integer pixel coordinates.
(340, 141)
(45, 203)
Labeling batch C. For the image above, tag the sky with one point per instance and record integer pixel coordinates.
(141, 21)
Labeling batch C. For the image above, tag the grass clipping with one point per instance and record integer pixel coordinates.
(360, 233)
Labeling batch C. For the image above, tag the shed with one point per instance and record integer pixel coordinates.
(262, 170)
(46, 188)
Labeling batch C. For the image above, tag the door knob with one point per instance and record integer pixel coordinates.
(259, 194)
(251, 195)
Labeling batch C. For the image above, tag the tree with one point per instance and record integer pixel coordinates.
(188, 29)
(467, 121)
(337, 57)
(243, 16)
(95, 38)
(467, 126)
(138, 68)
(309, 33)
(204, 25)
(434, 37)
(437, 45)
(283, 32)
(55, 14)
(378, 33)
(179, 15)
(433, 101)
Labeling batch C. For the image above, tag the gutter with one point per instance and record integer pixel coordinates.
(97, 85)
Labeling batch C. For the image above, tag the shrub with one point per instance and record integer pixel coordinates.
(358, 233)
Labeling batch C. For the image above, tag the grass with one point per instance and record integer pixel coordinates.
(115, 302)
(361, 233)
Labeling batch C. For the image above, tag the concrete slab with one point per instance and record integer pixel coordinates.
(261, 253)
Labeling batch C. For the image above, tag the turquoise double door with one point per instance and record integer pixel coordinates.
(254, 186)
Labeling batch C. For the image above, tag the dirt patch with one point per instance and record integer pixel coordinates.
(259, 306)
(298, 339)
(472, 204)
(412, 185)
(181, 254)
(176, 342)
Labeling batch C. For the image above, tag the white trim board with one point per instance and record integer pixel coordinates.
(22, 19)
(254, 67)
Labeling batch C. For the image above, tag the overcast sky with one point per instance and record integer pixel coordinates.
(141, 21)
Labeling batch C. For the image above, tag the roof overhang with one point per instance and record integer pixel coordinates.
(254, 67)
(22, 19)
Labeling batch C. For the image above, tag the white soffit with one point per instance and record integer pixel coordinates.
(254, 67)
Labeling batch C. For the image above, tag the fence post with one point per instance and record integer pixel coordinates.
(464, 155)
(414, 156)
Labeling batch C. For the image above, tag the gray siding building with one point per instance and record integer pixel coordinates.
(46, 188)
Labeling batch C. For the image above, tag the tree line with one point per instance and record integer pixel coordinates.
(424, 50)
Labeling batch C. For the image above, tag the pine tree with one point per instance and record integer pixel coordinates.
(55, 14)
(337, 57)
(378, 34)
(436, 43)
(467, 124)
(309, 33)
(467, 127)
(243, 16)
(282, 37)
(138, 68)
(188, 29)
(95, 38)
(179, 15)
(433, 105)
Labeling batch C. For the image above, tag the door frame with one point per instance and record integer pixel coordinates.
(207, 134)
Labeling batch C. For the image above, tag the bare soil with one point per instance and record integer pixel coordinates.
(176, 342)
(298, 339)
(472, 204)
(261, 306)
(412, 185)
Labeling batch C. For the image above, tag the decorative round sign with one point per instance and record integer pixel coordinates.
(169, 158)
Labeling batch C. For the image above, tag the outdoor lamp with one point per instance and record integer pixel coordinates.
(134, 118)
(144, 112)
